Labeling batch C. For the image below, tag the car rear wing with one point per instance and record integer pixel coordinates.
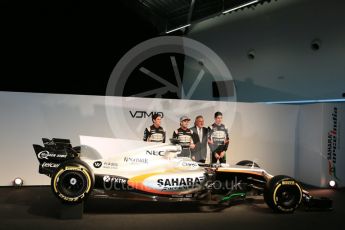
(54, 152)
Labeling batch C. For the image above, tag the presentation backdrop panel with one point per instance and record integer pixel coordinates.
(320, 152)
(333, 151)
(259, 132)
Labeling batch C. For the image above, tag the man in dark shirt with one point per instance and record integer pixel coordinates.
(155, 133)
(185, 137)
(199, 153)
(218, 139)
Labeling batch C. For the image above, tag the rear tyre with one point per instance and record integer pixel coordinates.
(248, 163)
(283, 194)
(72, 182)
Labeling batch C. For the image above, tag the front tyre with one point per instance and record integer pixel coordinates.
(72, 182)
(283, 194)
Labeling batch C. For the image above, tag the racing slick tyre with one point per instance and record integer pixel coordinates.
(248, 163)
(283, 194)
(72, 182)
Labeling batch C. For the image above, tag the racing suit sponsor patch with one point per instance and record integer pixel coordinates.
(154, 134)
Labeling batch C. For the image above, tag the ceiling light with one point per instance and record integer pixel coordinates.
(178, 28)
(241, 6)
(305, 101)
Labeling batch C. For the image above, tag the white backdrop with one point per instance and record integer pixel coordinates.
(264, 133)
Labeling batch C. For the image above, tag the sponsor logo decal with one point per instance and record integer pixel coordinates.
(97, 164)
(135, 160)
(189, 164)
(71, 199)
(45, 155)
(288, 182)
(332, 144)
(50, 165)
(110, 165)
(179, 183)
(144, 114)
(155, 153)
(118, 180)
(113, 182)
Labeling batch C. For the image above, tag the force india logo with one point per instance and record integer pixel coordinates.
(179, 183)
(332, 144)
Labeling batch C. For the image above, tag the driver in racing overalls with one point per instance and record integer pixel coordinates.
(218, 139)
(155, 133)
(185, 137)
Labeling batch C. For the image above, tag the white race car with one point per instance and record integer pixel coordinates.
(155, 172)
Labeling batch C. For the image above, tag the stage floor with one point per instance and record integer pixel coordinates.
(37, 208)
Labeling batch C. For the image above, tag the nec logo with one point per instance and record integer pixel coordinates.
(155, 153)
(144, 114)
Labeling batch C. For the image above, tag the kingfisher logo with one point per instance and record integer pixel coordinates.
(144, 114)
(332, 144)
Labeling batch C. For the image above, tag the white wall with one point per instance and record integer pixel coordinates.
(309, 138)
(27, 117)
(265, 133)
(280, 32)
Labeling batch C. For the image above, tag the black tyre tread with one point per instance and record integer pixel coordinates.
(74, 162)
(268, 191)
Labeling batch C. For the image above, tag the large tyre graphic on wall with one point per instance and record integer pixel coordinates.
(72, 182)
(283, 194)
(161, 91)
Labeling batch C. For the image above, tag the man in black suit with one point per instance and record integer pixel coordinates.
(200, 135)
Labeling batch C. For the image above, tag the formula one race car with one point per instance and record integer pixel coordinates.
(155, 172)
